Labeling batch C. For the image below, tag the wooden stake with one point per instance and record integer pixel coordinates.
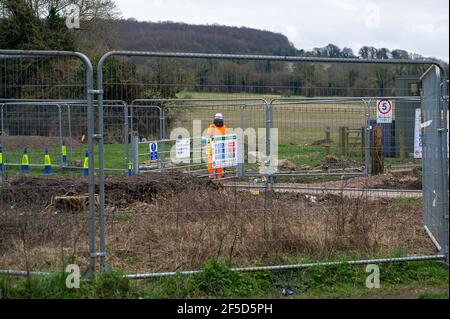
(377, 151)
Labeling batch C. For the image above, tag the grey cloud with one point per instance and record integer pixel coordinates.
(417, 26)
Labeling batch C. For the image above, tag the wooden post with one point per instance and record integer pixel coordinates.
(377, 151)
(347, 141)
(327, 139)
(328, 134)
(343, 140)
(402, 144)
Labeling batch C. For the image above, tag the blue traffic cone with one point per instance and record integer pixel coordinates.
(25, 162)
(64, 153)
(130, 168)
(86, 165)
(2, 166)
(47, 163)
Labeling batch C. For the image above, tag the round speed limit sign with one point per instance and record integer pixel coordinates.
(384, 111)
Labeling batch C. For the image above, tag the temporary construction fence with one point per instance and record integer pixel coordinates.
(202, 225)
(435, 156)
(169, 81)
(44, 75)
(60, 127)
(335, 127)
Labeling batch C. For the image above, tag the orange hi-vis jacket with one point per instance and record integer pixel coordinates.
(215, 131)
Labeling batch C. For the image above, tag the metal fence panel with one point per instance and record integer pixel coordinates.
(38, 232)
(435, 163)
(178, 232)
(321, 135)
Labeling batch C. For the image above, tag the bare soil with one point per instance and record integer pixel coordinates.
(25, 191)
(36, 142)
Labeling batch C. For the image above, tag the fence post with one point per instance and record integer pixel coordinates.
(328, 140)
(126, 134)
(402, 144)
(162, 135)
(241, 148)
(61, 138)
(269, 114)
(443, 138)
(377, 152)
(343, 140)
(2, 128)
(363, 142)
(69, 124)
(367, 135)
(135, 153)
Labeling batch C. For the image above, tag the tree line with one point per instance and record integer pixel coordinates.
(40, 25)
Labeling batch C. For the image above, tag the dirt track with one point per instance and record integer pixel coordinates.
(348, 192)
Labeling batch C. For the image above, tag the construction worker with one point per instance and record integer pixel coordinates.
(214, 130)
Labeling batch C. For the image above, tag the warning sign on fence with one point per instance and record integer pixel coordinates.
(224, 151)
(418, 134)
(183, 149)
(384, 111)
(153, 151)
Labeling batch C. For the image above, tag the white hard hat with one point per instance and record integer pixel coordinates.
(218, 116)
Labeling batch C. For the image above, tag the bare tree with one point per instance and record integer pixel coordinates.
(89, 9)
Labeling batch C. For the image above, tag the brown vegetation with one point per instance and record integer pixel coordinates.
(188, 221)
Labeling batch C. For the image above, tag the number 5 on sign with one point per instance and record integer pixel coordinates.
(384, 111)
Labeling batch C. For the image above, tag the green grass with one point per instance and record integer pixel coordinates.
(434, 295)
(114, 158)
(218, 281)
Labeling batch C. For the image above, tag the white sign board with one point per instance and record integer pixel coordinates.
(224, 151)
(418, 135)
(385, 110)
(418, 138)
(183, 149)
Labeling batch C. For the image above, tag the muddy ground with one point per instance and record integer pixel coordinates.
(36, 142)
(26, 191)
(170, 222)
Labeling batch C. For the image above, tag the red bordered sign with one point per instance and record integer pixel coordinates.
(384, 111)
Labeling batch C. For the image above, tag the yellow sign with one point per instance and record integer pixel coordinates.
(86, 162)
(64, 150)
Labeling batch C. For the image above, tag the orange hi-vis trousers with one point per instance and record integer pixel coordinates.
(215, 131)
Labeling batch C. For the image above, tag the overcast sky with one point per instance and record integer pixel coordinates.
(415, 25)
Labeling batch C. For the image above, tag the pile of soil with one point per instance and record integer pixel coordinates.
(36, 142)
(27, 191)
(333, 162)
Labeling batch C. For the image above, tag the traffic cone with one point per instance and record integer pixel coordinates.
(64, 153)
(47, 164)
(86, 165)
(130, 168)
(25, 162)
(2, 166)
